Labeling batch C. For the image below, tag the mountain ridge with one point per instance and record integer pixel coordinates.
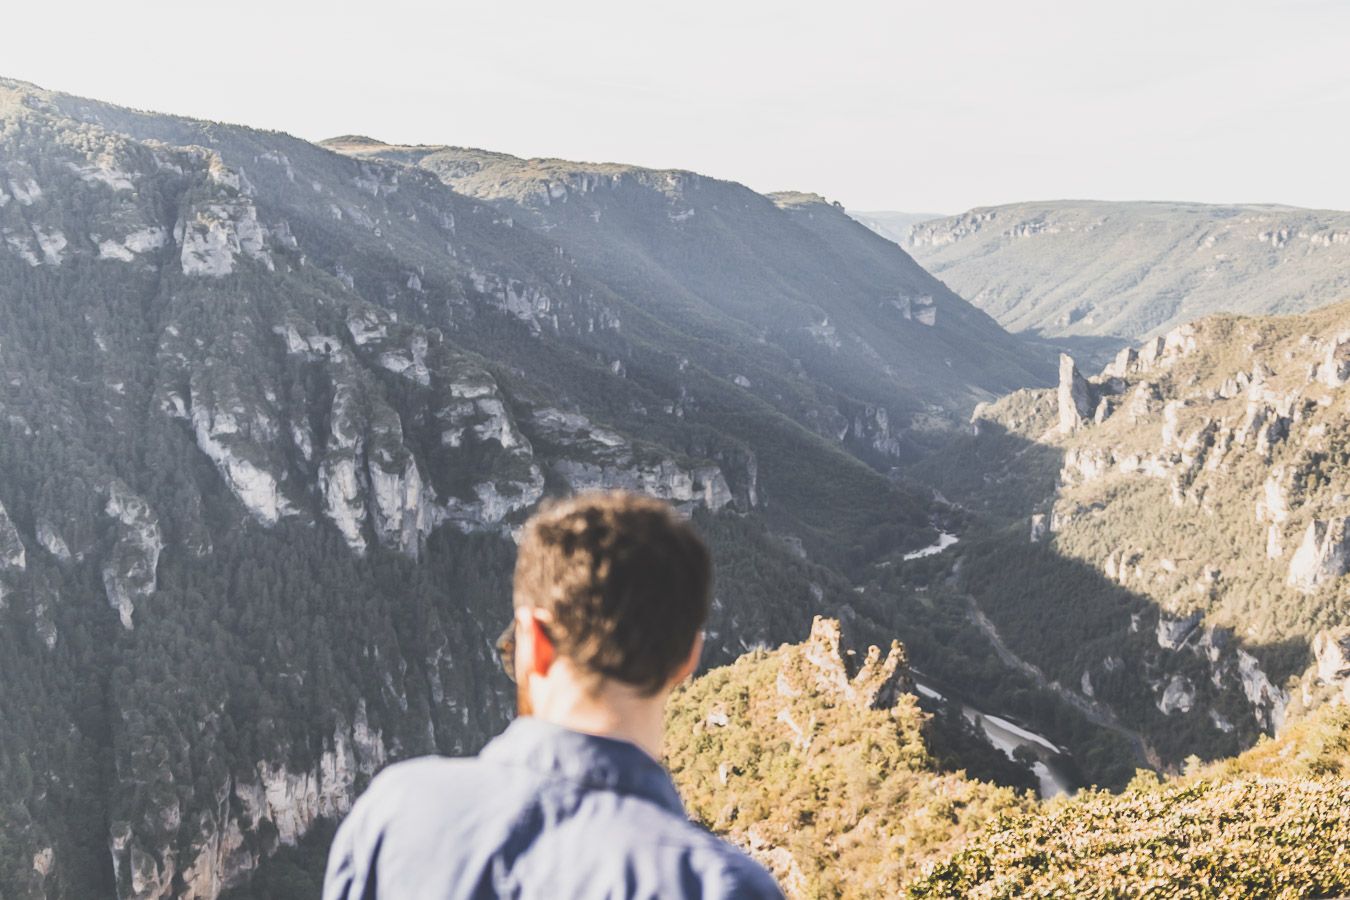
(567, 200)
(1136, 269)
(271, 416)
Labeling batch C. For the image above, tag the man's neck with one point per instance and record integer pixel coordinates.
(611, 710)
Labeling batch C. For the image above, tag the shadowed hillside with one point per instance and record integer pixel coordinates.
(1166, 539)
(270, 416)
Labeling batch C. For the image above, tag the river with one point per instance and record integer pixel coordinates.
(1008, 736)
(944, 541)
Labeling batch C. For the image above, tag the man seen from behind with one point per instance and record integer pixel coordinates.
(611, 593)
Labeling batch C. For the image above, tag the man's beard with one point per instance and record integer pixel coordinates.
(523, 705)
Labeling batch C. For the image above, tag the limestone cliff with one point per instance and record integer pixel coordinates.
(1202, 477)
(270, 417)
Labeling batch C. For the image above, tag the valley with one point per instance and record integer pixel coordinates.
(273, 413)
(1079, 270)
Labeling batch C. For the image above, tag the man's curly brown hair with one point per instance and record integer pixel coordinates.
(624, 580)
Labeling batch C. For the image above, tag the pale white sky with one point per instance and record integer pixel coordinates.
(936, 106)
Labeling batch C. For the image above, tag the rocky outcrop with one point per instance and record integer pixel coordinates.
(227, 837)
(529, 303)
(595, 457)
(1040, 527)
(130, 571)
(1230, 667)
(1274, 505)
(871, 428)
(1322, 557)
(869, 681)
(13, 556)
(51, 540)
(1077, 399)
(405, 509)
(215, 231)
(1126, 363)
(227, 435)
(1269, 701)
(1177, 696)
(1173, 633)
(477, 410)
(214, 236)
(1331, 650)
(1334, 369)
(368, 475)
(341, 476)
(666, 479)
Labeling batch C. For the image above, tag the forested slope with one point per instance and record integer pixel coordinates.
(1274, 822)
(270, 417)
(817, 759)
(773, 284)
(1174, 529)
(1079, 268)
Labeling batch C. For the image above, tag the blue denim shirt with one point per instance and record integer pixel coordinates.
(543, 812)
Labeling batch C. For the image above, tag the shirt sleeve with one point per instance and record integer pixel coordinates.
(751, 882)
(351, 863)
(719, 871)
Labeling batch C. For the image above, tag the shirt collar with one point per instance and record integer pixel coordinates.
(597, 763)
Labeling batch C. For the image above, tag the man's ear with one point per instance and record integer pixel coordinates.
(691, 661)
(536, 654)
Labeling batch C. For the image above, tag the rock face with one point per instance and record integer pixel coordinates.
(1214, 491)
(1331, 649)
(869, 680)
(1077, 400)
(214, 236)
(1177, 697)
(1040, 527)
(1173, 633)
(1334, 370)
(130, 571)
(225, 850)
(257, 489)
(13, 556)
(1322, 556)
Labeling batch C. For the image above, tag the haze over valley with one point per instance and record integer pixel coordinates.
(1047, 499)
(1125, 271)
